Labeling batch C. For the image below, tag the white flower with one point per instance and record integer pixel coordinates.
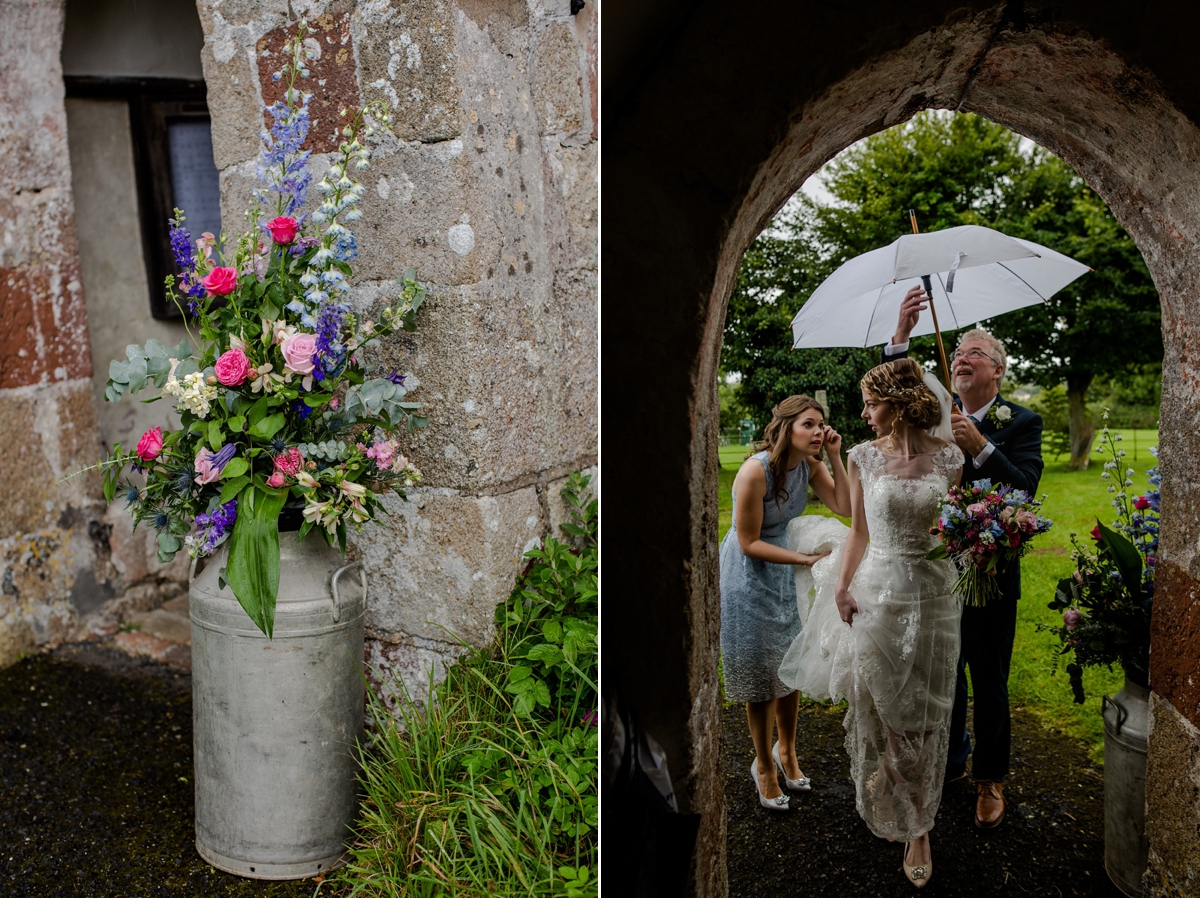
(1105, 475)
(1129, 472)
(1117, 438)
(1003, 413)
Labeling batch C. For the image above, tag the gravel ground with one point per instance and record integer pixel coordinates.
(96, 782)
(1050, 844)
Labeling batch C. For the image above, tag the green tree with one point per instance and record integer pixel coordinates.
(1105, 324)
(952, 170)
(778, 273)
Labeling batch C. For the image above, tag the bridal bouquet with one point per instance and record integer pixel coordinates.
(983, 527)
(277, 406)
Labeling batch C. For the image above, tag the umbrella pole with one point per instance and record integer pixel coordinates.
(937, 331)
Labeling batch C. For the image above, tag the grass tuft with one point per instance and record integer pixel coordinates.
(489, 785)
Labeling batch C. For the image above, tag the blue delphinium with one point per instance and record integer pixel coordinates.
(331, 356)
(282, 166)
(185, 259)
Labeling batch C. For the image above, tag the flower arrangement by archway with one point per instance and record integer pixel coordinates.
(278, 407)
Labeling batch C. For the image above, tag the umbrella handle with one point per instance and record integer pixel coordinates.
(938, 333)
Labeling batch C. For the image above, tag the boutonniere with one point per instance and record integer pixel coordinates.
(999, 414)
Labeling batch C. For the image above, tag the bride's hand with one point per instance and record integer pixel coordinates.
(846, 605)
(808, 560)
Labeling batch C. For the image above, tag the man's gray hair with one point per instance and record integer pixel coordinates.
(996, 346)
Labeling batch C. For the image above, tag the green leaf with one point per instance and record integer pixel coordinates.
(934, 554)
(237, 423)
(1126, 556)
(553, 631)
(546, 653)
(235, 468)
(268, 426)
(253, 569)
(215, 435)
(232, 487)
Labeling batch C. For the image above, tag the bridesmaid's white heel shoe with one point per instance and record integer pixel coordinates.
(779, 803)
(803, 784)
(918, 875)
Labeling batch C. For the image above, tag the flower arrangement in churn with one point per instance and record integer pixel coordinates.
(1107, 600)
(278, 409)
(984, 528)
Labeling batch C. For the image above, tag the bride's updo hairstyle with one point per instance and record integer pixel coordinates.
(901, 384)
(777, 438)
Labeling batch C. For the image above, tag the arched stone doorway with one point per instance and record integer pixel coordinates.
(713, 119)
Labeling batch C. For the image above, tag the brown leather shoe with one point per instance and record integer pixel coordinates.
(989, 803)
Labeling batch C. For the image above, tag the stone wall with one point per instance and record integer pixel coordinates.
(53, 548)
(488, 188)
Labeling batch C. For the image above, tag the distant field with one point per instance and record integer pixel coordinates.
(1074, 500)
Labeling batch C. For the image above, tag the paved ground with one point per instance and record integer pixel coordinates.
(1051, 843)
(96, 779)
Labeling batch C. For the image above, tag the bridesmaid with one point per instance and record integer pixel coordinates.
(759, 615)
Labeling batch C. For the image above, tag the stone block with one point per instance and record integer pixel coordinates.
(440, 563)
(406, 58)
(557, 78)
(495, 374)
(406, 668)
(16, 639)
(231, 34)
(1172, 802)
(331, 79)
(574, 173)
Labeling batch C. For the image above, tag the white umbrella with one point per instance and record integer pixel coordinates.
(976, 273)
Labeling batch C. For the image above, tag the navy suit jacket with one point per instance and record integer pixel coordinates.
(1016, 461)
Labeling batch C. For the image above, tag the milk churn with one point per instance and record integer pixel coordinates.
(1126, 725)
(276, 720)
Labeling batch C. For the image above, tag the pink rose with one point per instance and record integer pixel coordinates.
(150, 444)
(220, 281)
(276, 480)
(205, 468)
(298, 351)
(1071, 618)
(978, 509)
(283, 229)
(1141, 503)
(289, 462)
(232, 368)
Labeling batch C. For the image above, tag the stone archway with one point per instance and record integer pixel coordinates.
(752, 117)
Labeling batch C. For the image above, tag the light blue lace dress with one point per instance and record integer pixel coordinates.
(759, 618)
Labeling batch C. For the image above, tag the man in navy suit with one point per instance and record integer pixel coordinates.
(1002, 442)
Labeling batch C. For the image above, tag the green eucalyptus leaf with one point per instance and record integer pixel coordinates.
(216, 437)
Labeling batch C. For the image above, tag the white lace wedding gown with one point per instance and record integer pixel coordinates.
(896, 665)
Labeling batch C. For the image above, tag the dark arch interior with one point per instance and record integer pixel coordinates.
(714, 117)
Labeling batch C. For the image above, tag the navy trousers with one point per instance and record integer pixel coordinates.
(987, 643)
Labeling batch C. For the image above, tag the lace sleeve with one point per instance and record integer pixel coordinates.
(867, 457)
(949, 460)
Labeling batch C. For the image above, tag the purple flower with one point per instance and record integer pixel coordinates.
(330, 355)
(591, 719)
(396, 377)
(1071, 618)
(185, 259)
(282, 167)
(213, 527)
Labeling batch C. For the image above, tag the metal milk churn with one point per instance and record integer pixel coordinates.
(276, 721)
(1126, 725)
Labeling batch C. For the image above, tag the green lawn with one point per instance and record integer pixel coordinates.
(1073, 501)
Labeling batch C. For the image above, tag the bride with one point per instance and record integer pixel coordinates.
(882, 631)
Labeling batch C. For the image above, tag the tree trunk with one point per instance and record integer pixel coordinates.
(1083, 428)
